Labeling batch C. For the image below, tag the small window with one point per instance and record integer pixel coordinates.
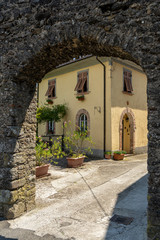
(51, 91)
(83, 122)
(51, 127)
(82, 82)
(127, 81)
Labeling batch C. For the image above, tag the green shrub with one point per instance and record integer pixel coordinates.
(74, 142)
(120, 152)
(43, 152)
(108, 153)
(54, 113)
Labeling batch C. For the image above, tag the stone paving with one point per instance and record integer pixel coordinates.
(78, 203)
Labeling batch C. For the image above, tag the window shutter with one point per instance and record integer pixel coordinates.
(82, 78)
(127, 81)
(79, 82)
(51, 86)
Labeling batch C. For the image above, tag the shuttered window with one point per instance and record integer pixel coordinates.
(82, 82)
(51, 91)
(127, 81)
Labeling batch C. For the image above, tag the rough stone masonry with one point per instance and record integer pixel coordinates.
(37, 35)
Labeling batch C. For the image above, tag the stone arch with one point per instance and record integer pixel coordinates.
(39, 35)
(132, 121)
(83, 111)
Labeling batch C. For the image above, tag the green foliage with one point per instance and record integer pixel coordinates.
(74, 142)
(80, 96)
(108, 152)
(49, 101)
(120, 152)
(43, 153)
(54, 113)
(56, 148)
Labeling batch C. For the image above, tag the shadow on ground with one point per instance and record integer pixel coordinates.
(129, 217)
(3, 238)
(62, 163)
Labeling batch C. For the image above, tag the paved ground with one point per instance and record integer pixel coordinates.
(78, 203)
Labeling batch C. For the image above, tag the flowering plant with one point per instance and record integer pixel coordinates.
(74, 142)
(43, 153)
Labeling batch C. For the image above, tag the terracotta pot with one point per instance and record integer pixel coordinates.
(75, 162)
(51, 102)
(118, 156)
(42, 170)
(107, 156)
(81, 99)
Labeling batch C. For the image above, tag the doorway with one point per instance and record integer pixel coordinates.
(126, 134)
(127, 128)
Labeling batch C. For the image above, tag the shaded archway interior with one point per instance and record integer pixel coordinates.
(23, 110)
(53, 55)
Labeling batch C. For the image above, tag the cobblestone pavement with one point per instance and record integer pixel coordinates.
(77, 204)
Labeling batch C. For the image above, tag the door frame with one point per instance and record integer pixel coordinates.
(131, 117)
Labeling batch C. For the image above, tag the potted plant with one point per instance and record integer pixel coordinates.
(108, 154)
(74, 144)
(80, 97)
(49, 101)
(118, 155)
(43, 154)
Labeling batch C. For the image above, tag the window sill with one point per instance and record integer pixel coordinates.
(52, 97)
(128, 93)
(82, 93)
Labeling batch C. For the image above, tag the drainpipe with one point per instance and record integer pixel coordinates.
(104, 103)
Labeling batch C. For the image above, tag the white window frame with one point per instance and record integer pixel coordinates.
(84, 121)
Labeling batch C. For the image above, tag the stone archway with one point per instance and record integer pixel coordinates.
(132, 122)
(38, 35)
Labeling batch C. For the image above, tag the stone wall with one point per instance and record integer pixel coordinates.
(35, 36)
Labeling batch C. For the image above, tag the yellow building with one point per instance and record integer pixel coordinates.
(114, 103)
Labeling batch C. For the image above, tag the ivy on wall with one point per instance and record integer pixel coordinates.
(54, 113)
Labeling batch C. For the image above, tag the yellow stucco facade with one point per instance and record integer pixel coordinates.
(118, 103)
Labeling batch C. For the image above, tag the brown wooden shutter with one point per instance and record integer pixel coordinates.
(78, 82)
(51, 86)
(82, 78)
(130, 81)
(127, 80)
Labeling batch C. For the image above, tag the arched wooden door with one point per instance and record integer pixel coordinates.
(126, 145)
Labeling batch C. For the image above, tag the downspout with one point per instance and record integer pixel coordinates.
(104, 104)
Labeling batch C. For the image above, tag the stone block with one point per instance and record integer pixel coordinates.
(30, 205)
(15, 210)
(17, 183)
(5, 196)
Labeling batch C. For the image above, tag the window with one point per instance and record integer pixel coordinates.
(127, 81)
(51, 91)
(50, 127)
(82, 82)
(83, 122)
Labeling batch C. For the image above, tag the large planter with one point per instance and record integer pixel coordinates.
(42, 170)
(107, 156)
(118, 156)
(75, 162)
